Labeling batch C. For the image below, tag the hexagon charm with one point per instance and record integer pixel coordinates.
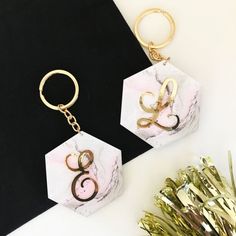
(186, 104)
(84, 173)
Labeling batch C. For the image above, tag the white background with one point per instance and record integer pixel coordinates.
(204, 47)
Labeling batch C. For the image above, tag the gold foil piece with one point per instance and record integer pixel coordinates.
(199, 202)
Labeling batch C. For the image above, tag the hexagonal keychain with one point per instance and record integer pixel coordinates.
(161, 103)
(83, 173)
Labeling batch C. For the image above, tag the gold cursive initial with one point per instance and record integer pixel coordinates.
(158, 107)
(82, 168)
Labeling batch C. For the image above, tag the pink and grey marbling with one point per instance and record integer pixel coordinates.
(106, 170)
(186, 105)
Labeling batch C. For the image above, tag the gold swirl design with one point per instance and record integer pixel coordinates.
(82, 168)
(158, 107)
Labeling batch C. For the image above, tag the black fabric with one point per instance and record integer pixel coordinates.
(90, 39)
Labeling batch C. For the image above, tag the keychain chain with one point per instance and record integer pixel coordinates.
(70, 118)
(155, 55)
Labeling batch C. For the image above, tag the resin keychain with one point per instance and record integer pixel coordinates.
(84, 173)
(161, 103)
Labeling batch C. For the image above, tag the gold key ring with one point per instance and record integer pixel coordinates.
(58, 107)
(146, 13)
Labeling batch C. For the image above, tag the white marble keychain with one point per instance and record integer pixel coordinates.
(83, 173)
(161, 103)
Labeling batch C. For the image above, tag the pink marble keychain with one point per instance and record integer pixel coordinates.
(145, 110)
(83, 173)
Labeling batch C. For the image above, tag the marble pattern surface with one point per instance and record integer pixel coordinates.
(105, 169)
(186, 104)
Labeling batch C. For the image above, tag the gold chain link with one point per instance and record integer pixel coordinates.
(70, 118)
(155, 55)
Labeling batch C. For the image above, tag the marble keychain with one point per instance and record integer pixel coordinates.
(83, 173)
(161, 103)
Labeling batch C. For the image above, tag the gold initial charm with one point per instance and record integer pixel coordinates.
(158, 107)
(82, 168)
